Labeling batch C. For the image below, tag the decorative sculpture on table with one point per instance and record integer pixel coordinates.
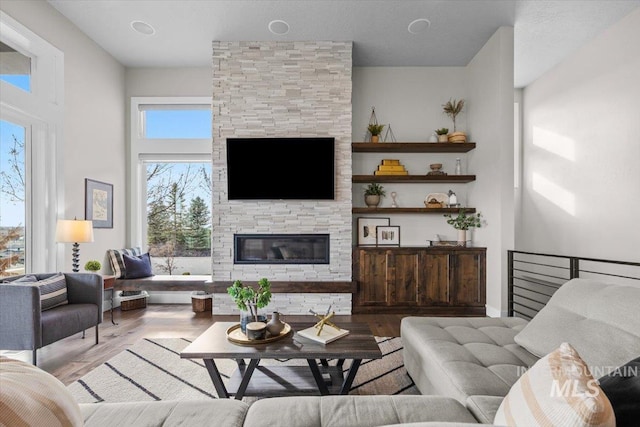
(324, 320)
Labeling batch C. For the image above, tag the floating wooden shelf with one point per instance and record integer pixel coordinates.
(451, 179)
(412, 147)
(388, 211)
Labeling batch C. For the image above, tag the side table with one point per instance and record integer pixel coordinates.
(109, 282)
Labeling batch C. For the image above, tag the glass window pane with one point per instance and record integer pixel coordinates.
(15, 68)
(179, 217)
(12, 196)
(189, 124)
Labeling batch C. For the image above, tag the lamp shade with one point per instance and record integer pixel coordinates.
(74, 231)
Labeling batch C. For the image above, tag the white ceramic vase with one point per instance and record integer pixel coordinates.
(462, 236)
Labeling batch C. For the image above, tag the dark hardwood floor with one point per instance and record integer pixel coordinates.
(73, 357)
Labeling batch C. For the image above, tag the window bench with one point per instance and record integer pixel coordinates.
(204, 283)
(165, 283)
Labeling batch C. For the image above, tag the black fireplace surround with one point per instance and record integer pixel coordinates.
(281, 249)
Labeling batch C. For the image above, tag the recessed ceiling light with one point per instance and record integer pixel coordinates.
(143, 28)
(419, 25)
(278, 27)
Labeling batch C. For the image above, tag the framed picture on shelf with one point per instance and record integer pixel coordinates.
(388, 235)
(367, 230)
(98, 203)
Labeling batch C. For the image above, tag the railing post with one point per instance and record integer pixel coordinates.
(510, 282)
(574, 267)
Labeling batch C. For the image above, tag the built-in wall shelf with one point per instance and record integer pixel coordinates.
(445, 179)
(412, 147)
(389, 211)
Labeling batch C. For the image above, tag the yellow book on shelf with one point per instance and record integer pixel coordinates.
(390, 162)
(391, 168)
(391, 172)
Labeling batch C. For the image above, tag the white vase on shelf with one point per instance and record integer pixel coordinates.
(462, 236)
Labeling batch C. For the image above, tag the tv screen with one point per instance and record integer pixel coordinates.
(280, 168)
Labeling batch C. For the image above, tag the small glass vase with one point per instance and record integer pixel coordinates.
(247, 317)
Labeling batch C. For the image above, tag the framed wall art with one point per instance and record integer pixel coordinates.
(367, 229)
(388, 235)
(98, 203)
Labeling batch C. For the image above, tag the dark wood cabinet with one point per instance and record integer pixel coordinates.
(420, 280)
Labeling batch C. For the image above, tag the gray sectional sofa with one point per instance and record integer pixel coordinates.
(463, 366)
(477, 360)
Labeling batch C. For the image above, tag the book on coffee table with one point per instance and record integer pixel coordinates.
(327, 334)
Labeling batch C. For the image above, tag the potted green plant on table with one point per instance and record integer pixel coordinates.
(373, 193)
(463, 222)
(375, 130)
(93, 266)
(249, 300)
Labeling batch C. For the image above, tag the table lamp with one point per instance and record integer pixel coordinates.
(74, 231)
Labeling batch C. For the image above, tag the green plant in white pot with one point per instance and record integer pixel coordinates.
(93, 266)
(373, 193)
(463, 222)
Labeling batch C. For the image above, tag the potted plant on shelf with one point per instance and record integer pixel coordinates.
(452, 108)
(375, 130)
(93, 266)
(463, 222)
(442, 134)
(249, 300)
(373, 193)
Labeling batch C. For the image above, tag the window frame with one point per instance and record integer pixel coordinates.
(149, 150)
(41, 112)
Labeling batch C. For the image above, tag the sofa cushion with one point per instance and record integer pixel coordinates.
(354, 411)
(30, 396)
(557, 390)
(167, 413)
(465, 356)
(622, 387)
(53, 291)
(117, 262)
(137, 266)
(590, 315)
(484, 408)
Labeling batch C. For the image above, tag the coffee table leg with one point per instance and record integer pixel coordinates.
(353, 370)
(216, 378)
(315, 370)
(245, 378)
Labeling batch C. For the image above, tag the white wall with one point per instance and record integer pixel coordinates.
(410, 100)
(94, 126)
(581, 181)
(490, 120)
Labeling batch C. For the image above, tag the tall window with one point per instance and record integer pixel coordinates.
(31, 111)
(12, 198)
(171, 152)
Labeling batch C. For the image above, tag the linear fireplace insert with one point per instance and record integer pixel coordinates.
(281, 249)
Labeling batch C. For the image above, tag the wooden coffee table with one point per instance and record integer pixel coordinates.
(255, 380)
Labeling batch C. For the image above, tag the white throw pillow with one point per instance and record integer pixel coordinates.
(30, 396)
(558, 390)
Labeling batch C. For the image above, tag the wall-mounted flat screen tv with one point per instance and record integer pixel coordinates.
(281, 168)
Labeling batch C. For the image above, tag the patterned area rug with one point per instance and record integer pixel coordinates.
(153, 370)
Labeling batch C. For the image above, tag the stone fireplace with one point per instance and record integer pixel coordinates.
(272, 90)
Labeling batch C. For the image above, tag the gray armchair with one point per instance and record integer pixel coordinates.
(24, 326)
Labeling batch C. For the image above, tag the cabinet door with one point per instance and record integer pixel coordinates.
(372, 281)
(404, 277)
(468, 278)
(434, 283)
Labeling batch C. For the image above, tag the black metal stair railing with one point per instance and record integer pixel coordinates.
(534, 277)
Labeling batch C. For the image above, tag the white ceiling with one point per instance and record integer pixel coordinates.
(545, 31)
